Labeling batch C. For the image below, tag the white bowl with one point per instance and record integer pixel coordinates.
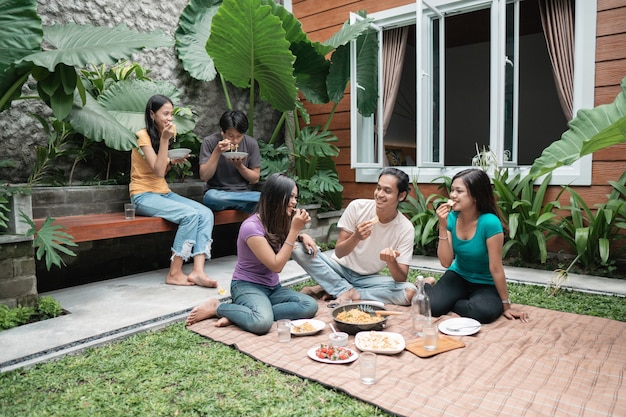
(178, 153)
(338, 339)
(234, 155)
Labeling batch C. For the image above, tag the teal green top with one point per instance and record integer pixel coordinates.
(471, 258)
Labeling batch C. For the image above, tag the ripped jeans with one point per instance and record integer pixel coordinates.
(195, 221)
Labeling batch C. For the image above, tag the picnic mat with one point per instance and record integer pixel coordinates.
(558, 364)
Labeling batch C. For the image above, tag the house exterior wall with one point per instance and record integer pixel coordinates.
(321, 18)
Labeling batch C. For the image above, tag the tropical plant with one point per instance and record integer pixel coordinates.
(530, 221)
(49, 240)
(590, 131)
(421, 211)
(258, 44)
(44, 171)
(53, 55)
(590, 233)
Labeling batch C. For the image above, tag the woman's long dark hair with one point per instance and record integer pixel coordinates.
(272, 208)
(154, 104)
(479, 186)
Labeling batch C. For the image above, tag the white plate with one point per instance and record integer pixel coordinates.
(313, 356)
(372, 341)
(178, 153)
(318, 324)
(465, 325)
(234, 155)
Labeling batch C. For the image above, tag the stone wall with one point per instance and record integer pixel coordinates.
(18, 283)
(21, 132)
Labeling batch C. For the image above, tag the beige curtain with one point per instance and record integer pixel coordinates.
(557, 18)
(394, 46)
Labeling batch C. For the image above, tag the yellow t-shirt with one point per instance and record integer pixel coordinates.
(142, 179)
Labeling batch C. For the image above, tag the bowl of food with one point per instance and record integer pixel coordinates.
(357, 317)
(235, 155)
(178, 153)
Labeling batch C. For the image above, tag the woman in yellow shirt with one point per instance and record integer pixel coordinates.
(152, 196)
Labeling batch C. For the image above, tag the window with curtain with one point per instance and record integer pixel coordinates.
(493, 74)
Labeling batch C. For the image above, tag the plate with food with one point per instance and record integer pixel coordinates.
(385, 343)
(332, 354)
(306, 327)
(235, 155)
(178, 153)
(460, 326)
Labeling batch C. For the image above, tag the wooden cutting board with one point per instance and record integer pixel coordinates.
(444, 344)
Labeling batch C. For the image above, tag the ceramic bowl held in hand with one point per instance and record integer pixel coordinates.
(235, 155)
(178, 153)
(356, 317)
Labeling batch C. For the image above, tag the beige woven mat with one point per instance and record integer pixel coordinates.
(558, 364)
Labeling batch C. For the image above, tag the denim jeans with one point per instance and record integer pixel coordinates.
(194, 220)
(337, 279)
(454, 293)
(255, 307)
(218, 200)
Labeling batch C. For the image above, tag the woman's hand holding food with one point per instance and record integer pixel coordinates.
(169, 131)
(300, 218)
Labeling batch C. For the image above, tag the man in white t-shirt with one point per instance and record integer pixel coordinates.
(373, 235)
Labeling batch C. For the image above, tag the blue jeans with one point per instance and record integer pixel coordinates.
(453, 293)
(218, 200)
(194, 220)
(337, 279)
(255, 307)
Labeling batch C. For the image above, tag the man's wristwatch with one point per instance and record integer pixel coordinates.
(507, 301)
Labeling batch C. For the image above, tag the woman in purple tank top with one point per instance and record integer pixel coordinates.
(264, 245)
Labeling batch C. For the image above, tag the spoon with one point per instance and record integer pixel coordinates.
(333, 327)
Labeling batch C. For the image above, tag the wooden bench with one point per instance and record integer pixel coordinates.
(88, 227)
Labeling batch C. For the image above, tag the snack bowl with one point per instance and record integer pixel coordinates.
(338, 339)
(178, 153)
(376, 322)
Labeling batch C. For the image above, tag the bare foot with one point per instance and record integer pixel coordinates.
(178, 279)
(223, 322)
(204, 311)
(202, 280)
(429, 280)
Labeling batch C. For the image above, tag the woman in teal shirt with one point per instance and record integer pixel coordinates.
(470, 246)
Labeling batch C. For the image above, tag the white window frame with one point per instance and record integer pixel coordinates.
(579, 173)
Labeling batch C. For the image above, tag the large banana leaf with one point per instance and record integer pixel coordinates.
(311, 72)
(248, 45)
(20, 35)
(126, 101)
(119, 113)
(590, 131)
(92, 120)
(367, 73)
(80, 45)
(194, 29)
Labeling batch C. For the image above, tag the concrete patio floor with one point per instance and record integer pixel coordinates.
(105, 311)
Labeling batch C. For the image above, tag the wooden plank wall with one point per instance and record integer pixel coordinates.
(322, 18)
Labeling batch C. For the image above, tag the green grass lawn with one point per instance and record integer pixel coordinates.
(176, 372)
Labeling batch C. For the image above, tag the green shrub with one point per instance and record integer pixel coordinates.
(48, 308)
(13, 317)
